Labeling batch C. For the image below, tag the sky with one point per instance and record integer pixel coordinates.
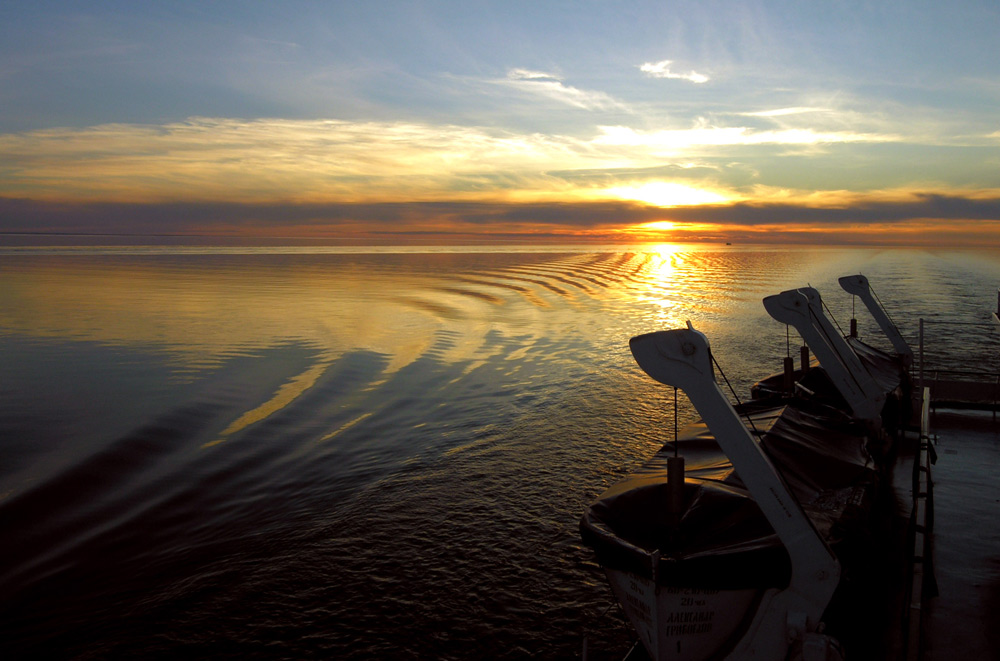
(503, 122)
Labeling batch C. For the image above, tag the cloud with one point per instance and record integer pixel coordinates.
(705, 135)
(266, 160)
(305, 220)
(781, 112)
(853, 210)
(527, 74)
(661, 69)
(913, 218)
(552, 87)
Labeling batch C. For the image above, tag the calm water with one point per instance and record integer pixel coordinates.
(290, 454)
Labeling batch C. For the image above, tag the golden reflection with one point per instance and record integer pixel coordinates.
(285, 395)
(666, 250)
(199, 317)
(347, 425)
(665, 262)
(197, 313)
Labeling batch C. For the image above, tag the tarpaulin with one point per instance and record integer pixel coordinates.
(721, 539)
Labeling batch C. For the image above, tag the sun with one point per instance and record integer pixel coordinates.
(658, 226)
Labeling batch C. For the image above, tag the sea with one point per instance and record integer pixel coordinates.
(367, 453)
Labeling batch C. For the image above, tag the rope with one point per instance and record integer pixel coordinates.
(835, 322)
(834, 345)
(735, 396)
(885, 310)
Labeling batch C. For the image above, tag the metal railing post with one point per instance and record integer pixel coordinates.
(920, 380)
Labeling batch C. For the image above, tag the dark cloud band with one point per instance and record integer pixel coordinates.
(442, 218)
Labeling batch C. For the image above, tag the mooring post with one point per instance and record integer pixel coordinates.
(788, 376)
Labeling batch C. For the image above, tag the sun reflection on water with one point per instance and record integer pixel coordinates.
(195, 314)
(664, 274)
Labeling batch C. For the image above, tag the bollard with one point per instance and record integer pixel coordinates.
(788, 382)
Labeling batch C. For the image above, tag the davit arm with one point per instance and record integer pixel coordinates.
(682, 358)
(858, 286)
(803, 309)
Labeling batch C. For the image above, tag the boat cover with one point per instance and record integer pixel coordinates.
(722, 540)
(815, 380)
(885, 368)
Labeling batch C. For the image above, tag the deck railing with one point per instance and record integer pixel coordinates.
(964, 388)
(922, 525)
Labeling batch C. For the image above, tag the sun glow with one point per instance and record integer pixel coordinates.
(659, 226)
(667, 194)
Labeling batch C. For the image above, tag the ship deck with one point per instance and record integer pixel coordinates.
(954, 616)
(960, 621)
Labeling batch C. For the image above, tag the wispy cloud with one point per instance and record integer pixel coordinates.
(782, 112)
(268, 159)
(661, 69)
(551, 86)
(703, 135)
(335, 160)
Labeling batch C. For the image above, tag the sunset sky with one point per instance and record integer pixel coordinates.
(465, 122)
